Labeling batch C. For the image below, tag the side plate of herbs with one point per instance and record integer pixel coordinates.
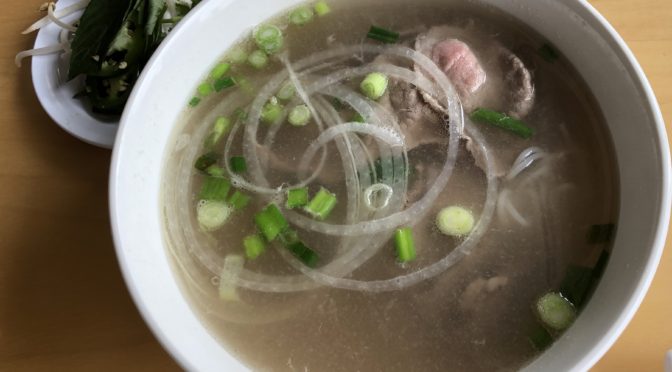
(85, 65)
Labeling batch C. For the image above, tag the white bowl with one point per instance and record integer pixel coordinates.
(586, 38)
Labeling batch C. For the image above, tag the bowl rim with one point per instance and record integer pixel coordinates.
(625, 314)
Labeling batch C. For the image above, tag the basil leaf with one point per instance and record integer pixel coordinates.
(154, 15)
(98, 26)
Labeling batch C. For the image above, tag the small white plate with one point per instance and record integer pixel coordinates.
(56, 94)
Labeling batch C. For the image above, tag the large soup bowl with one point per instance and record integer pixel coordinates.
(583, 35)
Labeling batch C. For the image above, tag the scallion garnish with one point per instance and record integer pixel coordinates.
(238, 164)
(240, 113)
(503, 121)
(358, 118)
(204, 89)
(322, 8)
(338, 104)
(381, 34)
(258, 59)
(601, 233)
(322, 204)
(555, 311)
(215, 171)
(455, 221)
(286, 92)
(270, 222)
(299, 116)
(223, 83)
(301, 15)
(219, 129)
(272, 111)
(403, 242)
(233, 266)
(374, 85)
(206, 160)
(214, 188)
(548, 52)
(540, 338)
(576, 284)
(297, 197)
(254, 246)
(220, 70)
(268, 38)
(194, 101)
(212, 214)
(303, 253)
(238, 55)
(239, 200)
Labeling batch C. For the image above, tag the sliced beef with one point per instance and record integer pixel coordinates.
(460, 64)
(484, 72)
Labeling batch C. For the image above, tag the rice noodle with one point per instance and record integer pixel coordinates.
(505, 206)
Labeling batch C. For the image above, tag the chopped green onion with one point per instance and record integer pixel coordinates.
(576, 284)
(258, 59)
(303, 253)
(212, 214)
(455, 221)
(338, 104)
(214, 188)
(272, 111)
(244, 84)
(233, 266)
(599, 234)
(206, 160)
(403, 241)
(502, 121)
(374, 85)
(540, 338)
(289, 236)
(358, 118)
(254, 246)
(299, 116)
(204, 89)
(223, 83)
(555, 311)
(215, 171)
(238, 164)
(238, 56)
(322, 8)
(287, 91)
(270, 222)
(219, 129)
(194, 101)
(297, 197)
(239, 200)
(548, 52)
(240, 114)
(219, 70)
(381, 34)
(322, 204)
(268, 38)
(301, 15)
(598, 269)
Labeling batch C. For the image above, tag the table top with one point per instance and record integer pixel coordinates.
(63, 303)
